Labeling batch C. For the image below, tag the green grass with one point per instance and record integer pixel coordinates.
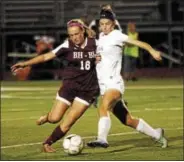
(151, 100)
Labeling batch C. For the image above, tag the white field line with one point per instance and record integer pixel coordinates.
(25, 97)
(55, 88)
(32, 117)
(15, 110)
(134, 111)
(28, 88)
(87, 137)
(160, 109)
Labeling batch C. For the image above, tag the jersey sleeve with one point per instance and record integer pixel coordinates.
(123, 37)
(119, 38)
(61, 48)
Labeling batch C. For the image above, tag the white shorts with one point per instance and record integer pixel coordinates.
(112, 83)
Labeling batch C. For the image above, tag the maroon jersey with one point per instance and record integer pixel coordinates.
(79, 63)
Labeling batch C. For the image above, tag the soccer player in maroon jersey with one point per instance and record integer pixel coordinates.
(80, 84)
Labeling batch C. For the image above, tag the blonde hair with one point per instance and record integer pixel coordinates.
(90, 33)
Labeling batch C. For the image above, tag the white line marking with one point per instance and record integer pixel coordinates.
(5, 96)
(174, 118)
(27, 89)
(87, 137)
(55, 88)
(25, 97)
(146, 109)
(155, 87)
(174, 108)
(33, 117)
(162, 109)
(15, 110)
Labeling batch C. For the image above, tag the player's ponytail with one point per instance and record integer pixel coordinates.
(90, 33)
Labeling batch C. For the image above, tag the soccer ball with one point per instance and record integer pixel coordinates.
(73, 144)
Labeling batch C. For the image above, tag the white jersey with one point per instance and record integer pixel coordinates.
(110, 49)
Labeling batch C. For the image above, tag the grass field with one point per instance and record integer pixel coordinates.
(157, 101)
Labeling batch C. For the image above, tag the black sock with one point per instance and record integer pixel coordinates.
(56, 135)
(120, 111)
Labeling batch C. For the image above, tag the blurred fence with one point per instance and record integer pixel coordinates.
(159, 22)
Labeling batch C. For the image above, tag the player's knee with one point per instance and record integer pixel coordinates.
(53, 119)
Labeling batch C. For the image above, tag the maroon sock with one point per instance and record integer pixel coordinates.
(56, 135)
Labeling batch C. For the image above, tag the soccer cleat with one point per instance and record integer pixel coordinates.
(162, 140)
(97, 143)
(47, 148)
(42, 120)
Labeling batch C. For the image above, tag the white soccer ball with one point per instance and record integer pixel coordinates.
(73, 144)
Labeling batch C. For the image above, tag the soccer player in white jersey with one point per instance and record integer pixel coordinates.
(112, 85)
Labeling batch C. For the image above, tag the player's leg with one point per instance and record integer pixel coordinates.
(64, 97)
(143, 127)
(55, 115)
(75, 112)
(121, 112)
(109, 99)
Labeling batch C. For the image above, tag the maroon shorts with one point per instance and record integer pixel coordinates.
(71, 91)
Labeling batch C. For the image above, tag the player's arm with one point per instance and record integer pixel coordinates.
(39, 59)
(146, 46)
(42, 58)
(131, 45)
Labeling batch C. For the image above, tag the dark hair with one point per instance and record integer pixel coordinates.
(107, 14)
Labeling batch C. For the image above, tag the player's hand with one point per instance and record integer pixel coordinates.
(156, 54)
(98, 58)
(17, 66)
